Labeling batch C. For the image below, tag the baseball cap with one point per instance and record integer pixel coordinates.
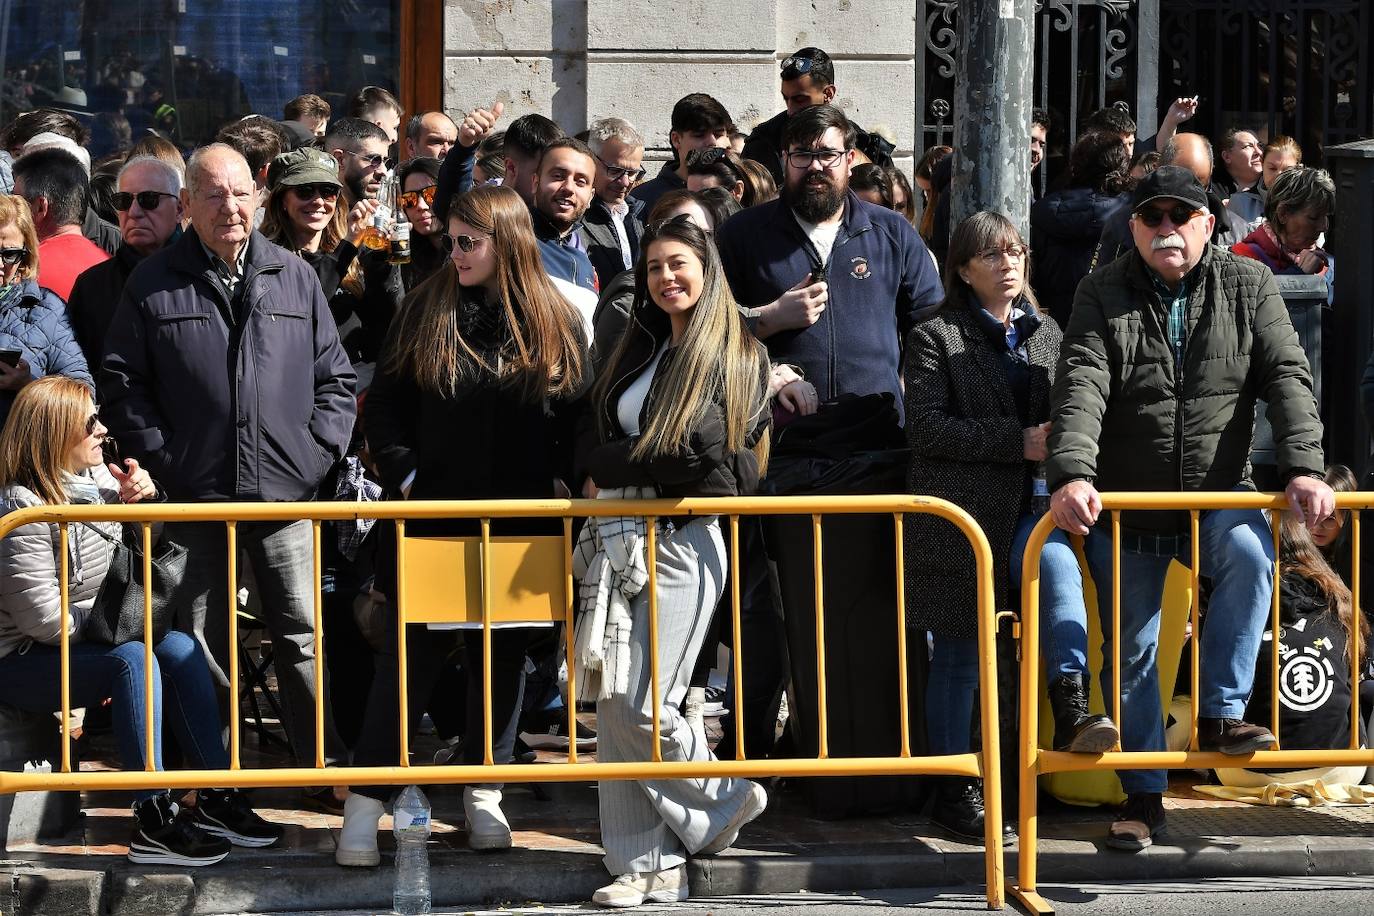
(303, 166)
(1169, 181)
(50, 140)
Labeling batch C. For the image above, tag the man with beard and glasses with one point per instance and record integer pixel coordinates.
(563, 187)
(832, 285)
(360, 148)
(1166, 352)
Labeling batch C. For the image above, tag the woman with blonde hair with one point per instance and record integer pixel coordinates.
(35, 336)
(681, 408)
(473, 399)
(50, 455)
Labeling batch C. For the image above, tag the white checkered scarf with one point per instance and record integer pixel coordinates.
(610, 565)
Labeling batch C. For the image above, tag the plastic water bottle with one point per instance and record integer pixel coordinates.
(410, 824)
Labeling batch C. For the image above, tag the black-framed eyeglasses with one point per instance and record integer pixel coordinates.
(12, 256)
(147, 200)
(375, 160)
(802, 158)
(617, 172)
(464, 243)
(795, 66)
(324, 191)
(1179, 215)
(992, 256)
(412, 198)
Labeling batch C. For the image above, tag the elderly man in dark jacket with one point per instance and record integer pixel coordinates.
(149, 205)
(223, 372)
(1165, 355)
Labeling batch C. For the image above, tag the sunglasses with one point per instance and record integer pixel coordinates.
(412, 198)
(616, 172)
(311, 191)
(147, 200)
(464, 243)
(92, 422)
(12, 256)
(376, 160)
(1179, 215)
(794, 67)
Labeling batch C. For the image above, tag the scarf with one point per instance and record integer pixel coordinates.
(610, 565)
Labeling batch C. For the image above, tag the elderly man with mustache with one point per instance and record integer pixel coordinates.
(1165, 354)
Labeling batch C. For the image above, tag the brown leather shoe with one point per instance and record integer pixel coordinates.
(1140, 819)
(1232, 736)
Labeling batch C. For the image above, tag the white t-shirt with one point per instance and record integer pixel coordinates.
(631, 403)
(822, 236)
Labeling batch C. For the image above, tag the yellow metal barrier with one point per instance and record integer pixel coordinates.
(505, 568)
(1035, 761)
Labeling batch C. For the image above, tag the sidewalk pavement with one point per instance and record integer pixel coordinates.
(557, 859)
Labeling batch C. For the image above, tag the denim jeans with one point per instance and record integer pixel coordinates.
(32, 681)
(954, 663)
(1237, 553)
(1063, 615)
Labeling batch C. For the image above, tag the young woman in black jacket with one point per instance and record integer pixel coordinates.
(474, 398)
(681, 410)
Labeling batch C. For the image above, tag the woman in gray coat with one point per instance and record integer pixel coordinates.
(978, 377)
(51, 454)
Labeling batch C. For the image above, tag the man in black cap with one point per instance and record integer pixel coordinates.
(1167, 350)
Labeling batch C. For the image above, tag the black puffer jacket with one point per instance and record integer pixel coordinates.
(703, 467)
(1125, 416)
(1065, 228)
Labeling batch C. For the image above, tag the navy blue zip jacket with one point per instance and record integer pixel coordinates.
(880, 277)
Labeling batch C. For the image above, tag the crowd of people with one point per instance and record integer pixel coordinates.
(245, 326)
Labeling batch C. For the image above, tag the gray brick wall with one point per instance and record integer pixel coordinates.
(579, 60)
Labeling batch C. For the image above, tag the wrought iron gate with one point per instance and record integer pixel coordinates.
(1301, 67)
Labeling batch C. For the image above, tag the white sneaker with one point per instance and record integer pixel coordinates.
(667, 886)
(487, 824)
(358, 838)
(692, 709)
(750, 808)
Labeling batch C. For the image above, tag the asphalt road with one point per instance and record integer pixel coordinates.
(1220, 897)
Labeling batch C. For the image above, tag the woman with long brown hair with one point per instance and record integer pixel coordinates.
(681, 410)
(473, 399)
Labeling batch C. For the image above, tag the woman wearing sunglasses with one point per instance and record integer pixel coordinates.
(304, 215)
(474, 398)
(51, 454)
(419, 178)
(681, 408)
(35, 337)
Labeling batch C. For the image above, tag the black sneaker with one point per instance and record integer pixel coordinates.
(162, 838)
(550, 732)
(226, 813)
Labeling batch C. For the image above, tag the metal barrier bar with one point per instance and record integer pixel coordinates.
(1355, 613)
(1194, 638)
(898, 523)
(1036, 761)
(149, 759)
(737, 651)
(822, 719)
(1116, 617)
(318, 594)
(569, 629)
(64, 641)
(984, 764)
(1275, 628)
(235, 714)
(401, 668)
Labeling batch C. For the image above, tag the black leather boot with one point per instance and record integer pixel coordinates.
(958, 808)
(1075, 729)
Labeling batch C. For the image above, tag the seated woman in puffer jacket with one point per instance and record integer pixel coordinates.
(50, 454)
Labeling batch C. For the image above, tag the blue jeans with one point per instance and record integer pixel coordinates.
(31, 681)
(953, 679)
(1237, 553)
(1063, 615)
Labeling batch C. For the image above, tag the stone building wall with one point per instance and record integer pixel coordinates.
(579, 60)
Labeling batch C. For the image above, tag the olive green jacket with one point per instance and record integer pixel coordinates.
(1126, 419)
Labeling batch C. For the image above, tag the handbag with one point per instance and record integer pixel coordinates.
(116, 616)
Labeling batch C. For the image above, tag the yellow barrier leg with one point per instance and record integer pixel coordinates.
(737, 650)
(150, 760)
(235, 713)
